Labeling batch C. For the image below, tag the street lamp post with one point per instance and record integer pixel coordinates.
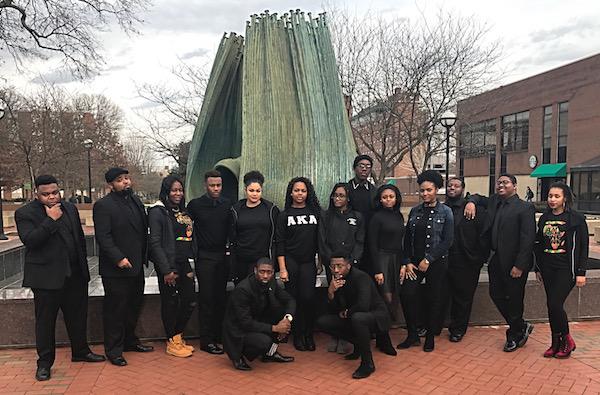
(447, 120)
(88, 144)
(2, 235)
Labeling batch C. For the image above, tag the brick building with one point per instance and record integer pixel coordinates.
(541, 129)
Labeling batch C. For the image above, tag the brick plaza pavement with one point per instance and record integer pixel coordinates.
(475, 366)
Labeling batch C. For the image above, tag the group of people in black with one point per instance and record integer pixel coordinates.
(371, 254)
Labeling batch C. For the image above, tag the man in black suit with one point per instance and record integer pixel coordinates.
(259, 314)
(56, 269)
(121, 229)
(510, 231)
(359, 311)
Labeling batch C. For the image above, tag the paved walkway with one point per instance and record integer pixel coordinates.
(475, 366)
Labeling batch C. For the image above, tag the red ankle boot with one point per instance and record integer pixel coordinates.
(567, 346)
(553, 349)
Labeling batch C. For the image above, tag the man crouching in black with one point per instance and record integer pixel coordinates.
(258, 315)
(360, 311)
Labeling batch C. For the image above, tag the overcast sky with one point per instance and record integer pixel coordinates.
(536, 35)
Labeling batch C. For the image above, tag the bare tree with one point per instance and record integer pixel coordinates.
(174, 110)
(68, 28)
(402, 75)
(44, 132)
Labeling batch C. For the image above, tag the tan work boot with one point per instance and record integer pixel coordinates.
(179, 339)
(176, 349)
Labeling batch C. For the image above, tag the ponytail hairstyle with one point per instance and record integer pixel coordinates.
(391, 187)
(254, 176)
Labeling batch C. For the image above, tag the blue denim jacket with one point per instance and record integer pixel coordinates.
(440, 231)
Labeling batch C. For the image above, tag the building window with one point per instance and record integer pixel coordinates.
(515, 131)
(478, 139)
(563, 115)
(503, 163)
(492, 179)
(547, 135)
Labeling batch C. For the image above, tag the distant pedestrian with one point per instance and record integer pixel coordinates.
(529, 195)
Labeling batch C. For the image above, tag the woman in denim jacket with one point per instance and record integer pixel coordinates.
(429, 234)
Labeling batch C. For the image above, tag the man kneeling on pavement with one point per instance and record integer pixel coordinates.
(358, 311)
(258, 316)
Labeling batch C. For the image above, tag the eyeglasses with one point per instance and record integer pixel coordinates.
(338, 196)
(505, 182)
(364, 166)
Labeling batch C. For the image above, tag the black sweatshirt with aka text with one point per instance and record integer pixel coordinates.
(297, 234)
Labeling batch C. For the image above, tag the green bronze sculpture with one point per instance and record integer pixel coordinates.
(274, 104)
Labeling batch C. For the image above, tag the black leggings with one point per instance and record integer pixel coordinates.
(177, 303)
(301, 285)
(434, 286)
(558, 283)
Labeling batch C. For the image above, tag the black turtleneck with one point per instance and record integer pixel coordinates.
(211, 222)
(386, 232)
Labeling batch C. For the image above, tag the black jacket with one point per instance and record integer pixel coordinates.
(516, 233)
(341, 231)
(577, 243)
(247, 312)
(46, 257)
(233, 238)
(120, 235)
(468, 243)
(364, 203)
(359, 294)
(162, 241)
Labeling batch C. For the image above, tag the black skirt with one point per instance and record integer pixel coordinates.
(390, 267)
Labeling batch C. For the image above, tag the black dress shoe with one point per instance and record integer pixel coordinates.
(526, 333)
(277, 358)
(299, 343)
(42, 374)
(364, 370)
(409, 342)
(309, 342)
(456, 337)
(385, 344)
(139, 348)
(212, 348)
(510, 346)
(118, 361)
(353, 356)
(89, 357)
(240, 364)
(429, 344)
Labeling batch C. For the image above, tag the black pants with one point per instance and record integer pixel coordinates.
(508, 293)
(72, 299)
(256, 344)
(558, 283)
(177, 303)
(212, 272)
(435, 278)
(356, 329)
(123, 297)
(463, 277)
(301, 285)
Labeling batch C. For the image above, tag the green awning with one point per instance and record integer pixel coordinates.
(550, 170)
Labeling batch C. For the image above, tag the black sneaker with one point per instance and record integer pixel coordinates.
(526, 333)
(510, 346)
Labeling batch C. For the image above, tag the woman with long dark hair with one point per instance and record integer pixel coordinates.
(562, 247)
(429, 235)
(341, 230)
(253, 227)
(171, 250)
(385, 239)
(297, 239)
